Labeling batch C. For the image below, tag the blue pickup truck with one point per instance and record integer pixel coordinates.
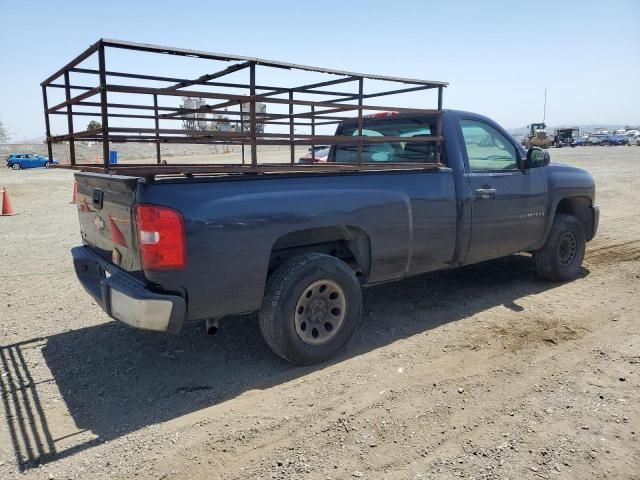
(299, 247)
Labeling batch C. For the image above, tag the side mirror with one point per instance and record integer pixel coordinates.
(537, 157)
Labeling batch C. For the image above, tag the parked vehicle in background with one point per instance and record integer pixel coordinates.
(18, 161)
(597, 140)
(614, 140)
(537, 136)
(581, 141)
(320, 155)
(633, 137)
(565, 137)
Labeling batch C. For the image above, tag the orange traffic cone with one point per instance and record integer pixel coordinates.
(75, 192)
(6, 204)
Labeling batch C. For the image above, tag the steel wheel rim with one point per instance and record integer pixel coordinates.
(567, 249)
(320, 312)
(16, 166)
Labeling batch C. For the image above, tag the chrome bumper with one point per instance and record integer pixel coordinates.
(124, 297)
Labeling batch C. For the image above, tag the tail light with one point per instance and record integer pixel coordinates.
(161, 237)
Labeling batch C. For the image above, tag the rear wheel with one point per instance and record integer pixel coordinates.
(560, 258)
(16, 166)
(311, 308)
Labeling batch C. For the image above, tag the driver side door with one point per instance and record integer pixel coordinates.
(508, 204)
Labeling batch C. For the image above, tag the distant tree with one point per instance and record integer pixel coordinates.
(4, 134)
(94, 124)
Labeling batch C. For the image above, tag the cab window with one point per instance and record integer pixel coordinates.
(412, 150)
(487, 149)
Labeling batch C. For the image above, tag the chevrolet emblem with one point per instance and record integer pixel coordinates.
(99, 223)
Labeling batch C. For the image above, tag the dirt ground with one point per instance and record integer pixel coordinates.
(483, 372)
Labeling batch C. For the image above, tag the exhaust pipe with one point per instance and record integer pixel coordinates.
(212, 326)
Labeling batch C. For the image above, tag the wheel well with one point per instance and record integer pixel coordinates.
(349, 244)
(579, 208)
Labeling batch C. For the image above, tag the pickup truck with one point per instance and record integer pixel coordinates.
(299, 247)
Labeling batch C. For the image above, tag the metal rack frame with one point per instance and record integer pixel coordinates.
(326, 112)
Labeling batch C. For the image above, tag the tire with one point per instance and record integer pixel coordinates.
(295, 305)
(48, 164)
(560, 258)
(16, 166)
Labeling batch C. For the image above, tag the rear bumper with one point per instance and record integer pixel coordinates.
(124, 297)
(595, 219)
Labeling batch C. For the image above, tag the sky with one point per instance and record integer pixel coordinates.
(497, 56)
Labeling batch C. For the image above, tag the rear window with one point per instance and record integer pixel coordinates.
(411, 150)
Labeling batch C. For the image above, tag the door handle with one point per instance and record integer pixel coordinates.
(485, 193)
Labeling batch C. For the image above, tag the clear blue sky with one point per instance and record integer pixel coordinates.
(497, 56)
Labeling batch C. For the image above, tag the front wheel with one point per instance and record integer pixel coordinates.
(560, 258)
(48, 164)
(311, 308)
(16, 166)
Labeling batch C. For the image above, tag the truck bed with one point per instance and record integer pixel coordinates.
(234, 230)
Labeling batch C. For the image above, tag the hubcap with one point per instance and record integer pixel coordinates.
(320, 312)
(567, 248)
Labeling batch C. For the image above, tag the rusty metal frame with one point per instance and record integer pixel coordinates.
(332, 109)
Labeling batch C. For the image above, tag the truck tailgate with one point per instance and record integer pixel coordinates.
(105, 209)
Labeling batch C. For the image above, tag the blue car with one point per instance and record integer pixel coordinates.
(618, 140)
(18, 161)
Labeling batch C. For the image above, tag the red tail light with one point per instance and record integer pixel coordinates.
(161, 237)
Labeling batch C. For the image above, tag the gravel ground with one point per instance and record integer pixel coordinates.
(483, 372)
